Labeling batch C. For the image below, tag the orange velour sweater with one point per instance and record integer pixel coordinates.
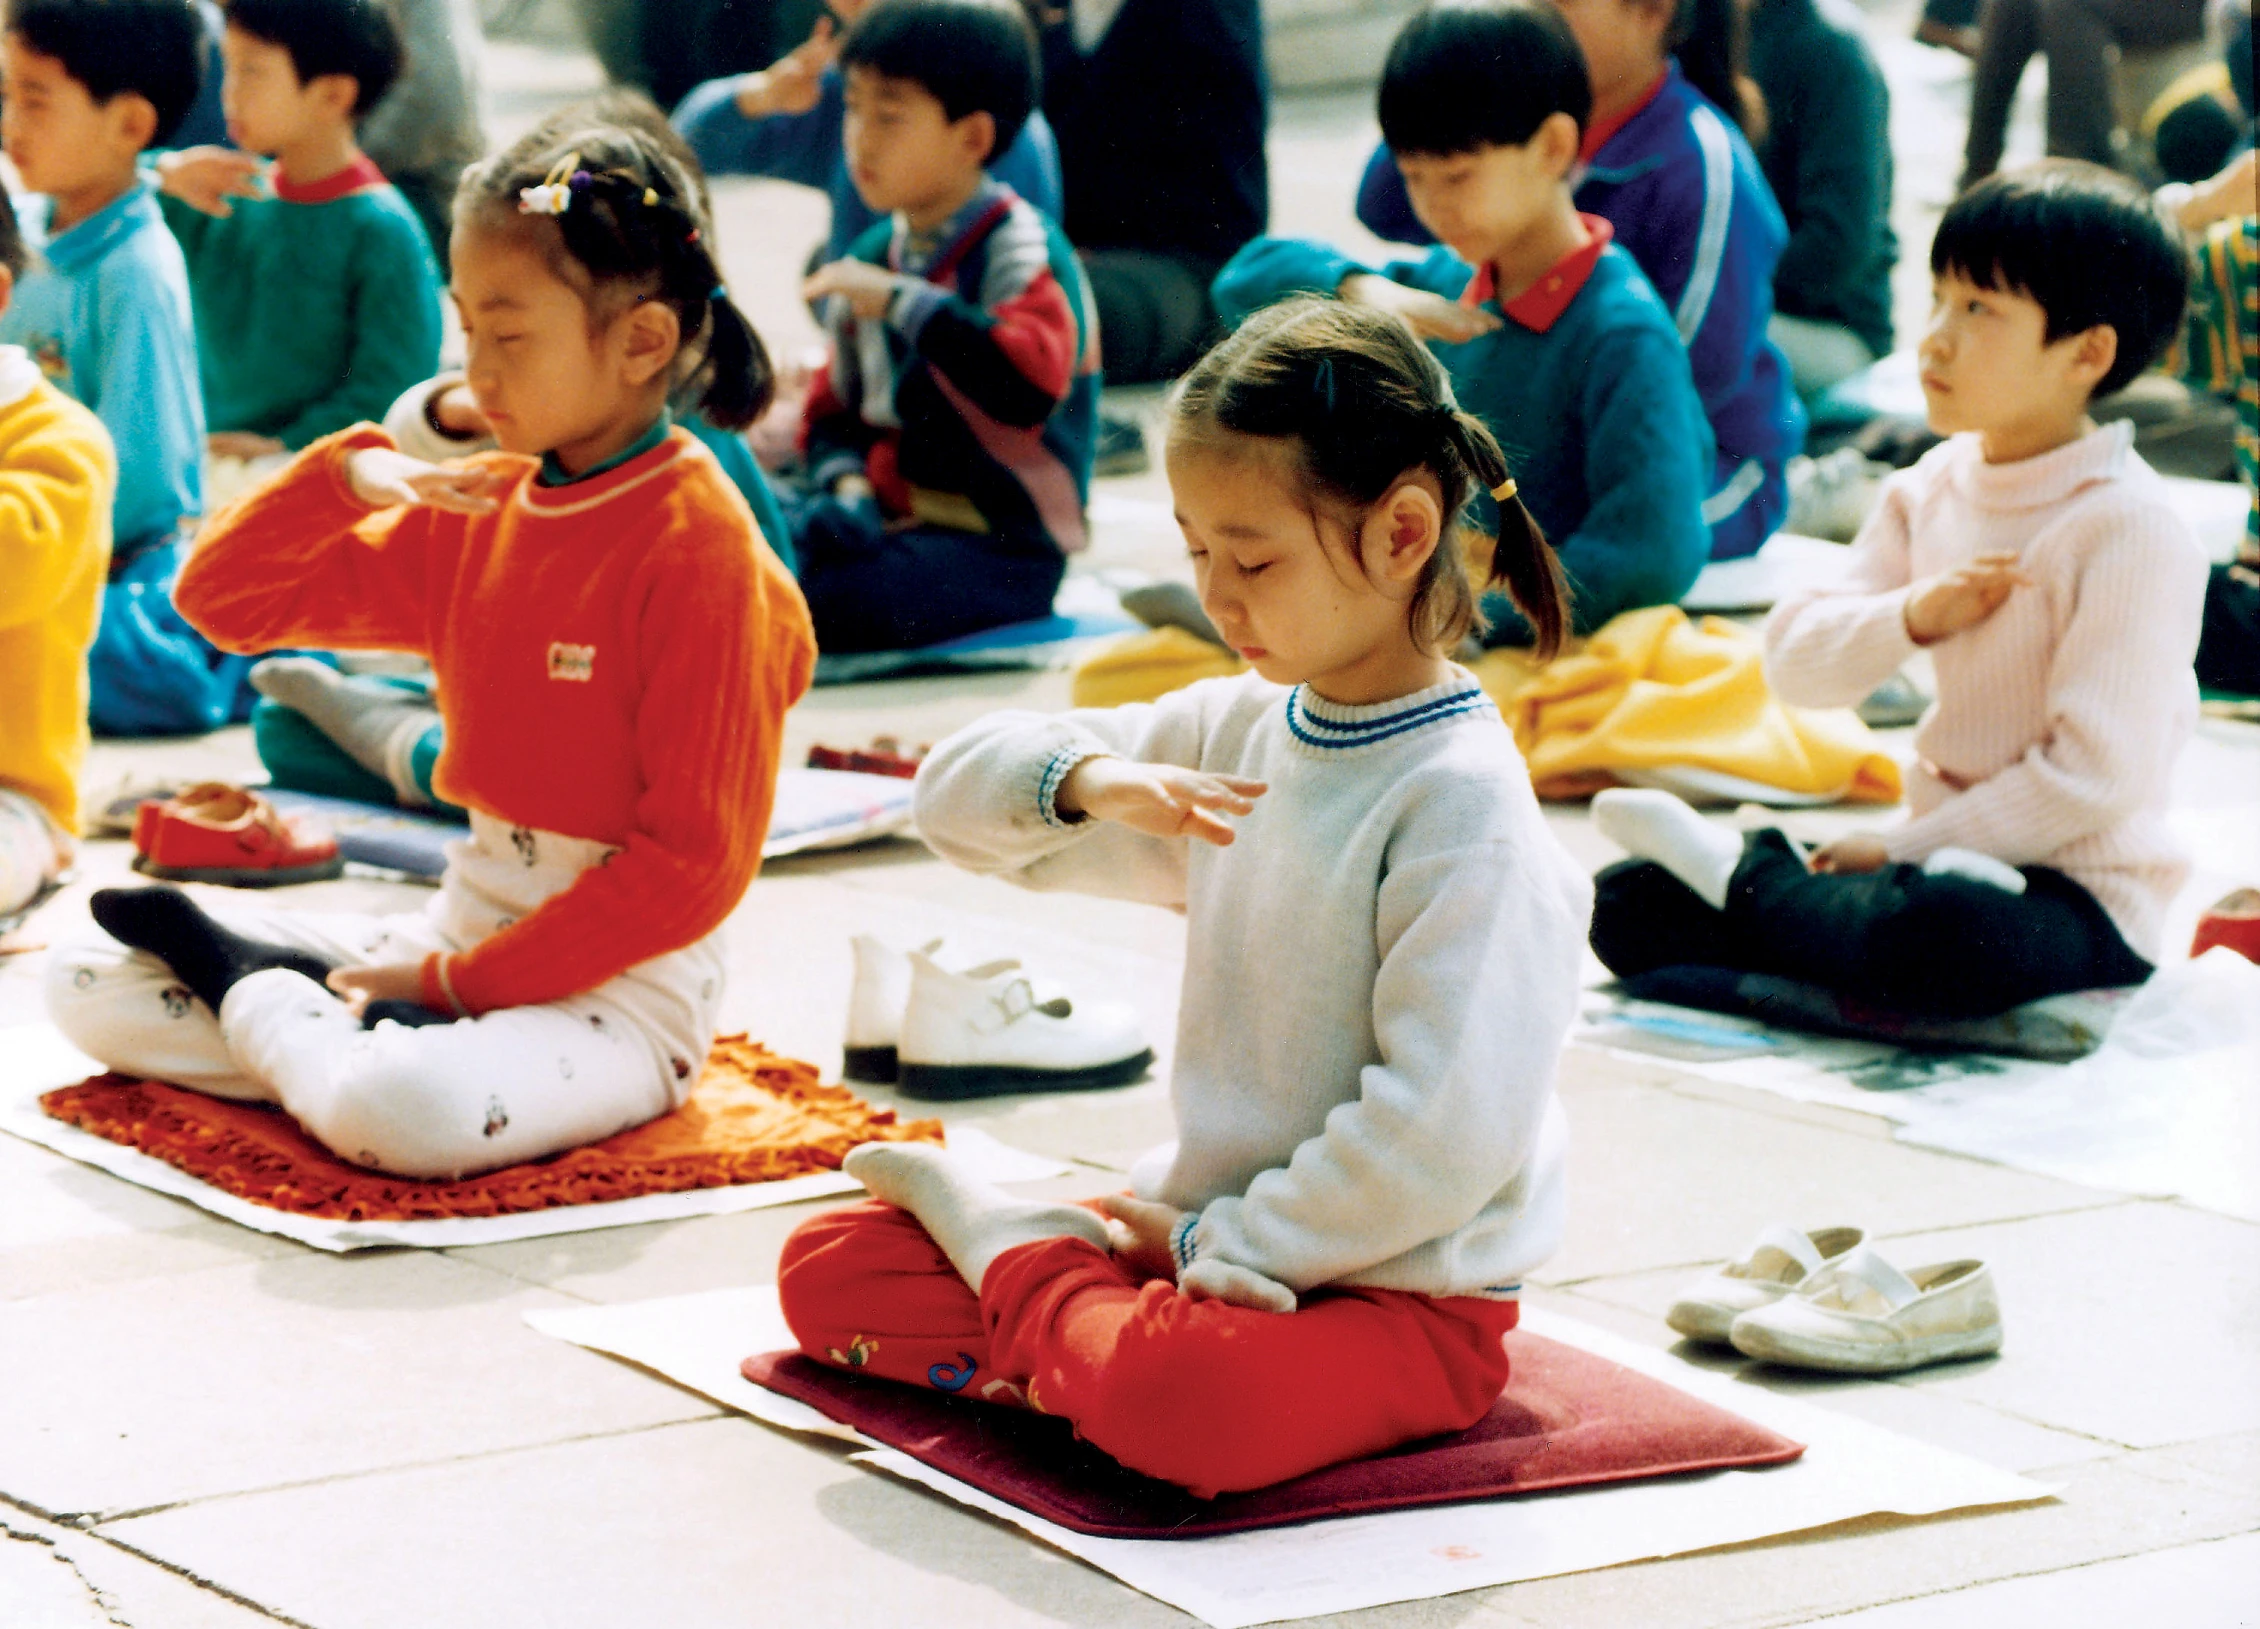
(614, 659)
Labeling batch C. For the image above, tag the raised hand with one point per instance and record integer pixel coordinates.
(1429, 316)
(1955, 601)
(794, 83)
(1160, 800)
(868, 289)
(383, 478)
(205, 178)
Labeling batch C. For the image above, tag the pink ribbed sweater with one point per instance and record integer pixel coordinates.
(2059, 717)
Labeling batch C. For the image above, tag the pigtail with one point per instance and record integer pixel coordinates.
(738, 379)
(1522, 561)
(1710, 38)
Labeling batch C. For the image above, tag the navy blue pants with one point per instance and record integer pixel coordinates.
(870, 588)
(1897, 938)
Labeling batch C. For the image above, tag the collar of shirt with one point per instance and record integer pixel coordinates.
(1541, 305)
(1600, 132)
(94, 237)
(555, 474)
(916, 253)
(362, 172)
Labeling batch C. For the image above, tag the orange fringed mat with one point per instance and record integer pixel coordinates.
(753, 1117)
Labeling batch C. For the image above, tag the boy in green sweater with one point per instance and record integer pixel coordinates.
(316, 302)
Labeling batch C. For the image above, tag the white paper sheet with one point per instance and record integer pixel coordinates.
(1849, 1469)
(2167, 1107)
(35, 1058)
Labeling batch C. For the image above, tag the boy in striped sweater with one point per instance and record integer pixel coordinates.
(2040, 561)
(949, 438)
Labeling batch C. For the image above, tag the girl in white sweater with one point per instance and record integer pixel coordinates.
(2039, 559)
(1381, 966)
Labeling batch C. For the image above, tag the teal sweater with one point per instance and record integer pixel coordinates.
(1598, 417)
(310, 315)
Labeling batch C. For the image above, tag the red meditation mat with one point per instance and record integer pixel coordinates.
(1568, 1420)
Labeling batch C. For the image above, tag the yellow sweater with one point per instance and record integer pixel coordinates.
(57, 474)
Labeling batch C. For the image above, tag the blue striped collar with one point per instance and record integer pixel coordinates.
(1328, 728)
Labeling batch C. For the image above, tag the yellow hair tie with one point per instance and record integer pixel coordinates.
(650, 197)
(1504, 490)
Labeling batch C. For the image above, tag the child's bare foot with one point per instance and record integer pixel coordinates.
(973, 1221)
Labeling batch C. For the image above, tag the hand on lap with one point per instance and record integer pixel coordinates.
(868, 289)
(1160, 800)
(241, 444)
(1856, 853)
(1139, 1231)
(392, 981)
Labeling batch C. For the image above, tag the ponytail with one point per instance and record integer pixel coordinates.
(1362, 401)
(739, 381)
(1522, 561)
(1710, 38)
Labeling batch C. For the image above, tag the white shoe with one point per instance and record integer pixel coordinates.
(984, 1032)
(1777, 1262)
(875, 1002)
(1861, 1315)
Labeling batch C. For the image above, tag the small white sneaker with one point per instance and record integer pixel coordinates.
(984, 1032)
(1778, 1260)
(1861, 1315)
(875, 1002)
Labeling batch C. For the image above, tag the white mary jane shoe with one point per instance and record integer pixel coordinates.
(1777, 1262)
(875, 1005)
(1861, 1315)
(985, 1032)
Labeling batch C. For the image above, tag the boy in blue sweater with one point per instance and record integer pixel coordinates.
(104, 310)
(318, 305)
(949, 437)
(1551, 335)
(788, 121)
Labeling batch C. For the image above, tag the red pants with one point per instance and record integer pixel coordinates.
(1215, 1398)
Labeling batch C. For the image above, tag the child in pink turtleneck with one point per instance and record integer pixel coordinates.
(2038, 559)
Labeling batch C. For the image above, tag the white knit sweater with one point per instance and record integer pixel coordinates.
(1379, 973)
(2059, 717)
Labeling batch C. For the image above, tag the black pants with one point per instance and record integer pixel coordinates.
(869, 588)
(1155, 318)
(2077, 36)
(2228, 651)
(1897, 938)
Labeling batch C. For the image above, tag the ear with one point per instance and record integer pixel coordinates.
(133, 117)
(2093, 353)
(7, 288)
(1555, 144)
(1401, 532)
(336, 93)
(650, 337)
(978, 131)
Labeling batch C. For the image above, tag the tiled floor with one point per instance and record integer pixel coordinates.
(201, 1426)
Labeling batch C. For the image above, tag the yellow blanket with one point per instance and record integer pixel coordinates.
(1651, 690)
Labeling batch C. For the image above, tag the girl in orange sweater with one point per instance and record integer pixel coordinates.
(616, 649)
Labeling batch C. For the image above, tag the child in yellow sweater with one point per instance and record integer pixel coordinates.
(57, 474)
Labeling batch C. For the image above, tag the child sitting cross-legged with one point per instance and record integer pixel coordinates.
(598, 582)
(1369, 1152)
(56, 476)
(318, 305)
(2040, 561)
(949, 438)
(1550, 333)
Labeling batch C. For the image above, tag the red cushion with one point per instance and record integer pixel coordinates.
(1568, 1419)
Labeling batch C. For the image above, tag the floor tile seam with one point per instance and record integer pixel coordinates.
(62, 1557)
(2006, 1578)
(195, 1580)
(93, 1521)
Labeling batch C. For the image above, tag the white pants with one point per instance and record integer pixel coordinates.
(444, 1100)
(32, 852)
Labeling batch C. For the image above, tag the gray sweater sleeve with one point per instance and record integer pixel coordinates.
(985, 798)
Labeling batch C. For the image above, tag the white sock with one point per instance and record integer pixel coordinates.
(1656, 826)
(973, 1221)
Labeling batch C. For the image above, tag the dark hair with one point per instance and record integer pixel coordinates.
(1711, 39)
(2086, 243)
(153, 49)
(12, 254)
(972, 56)
(636, 227)
(1481, 73)
(1362, 401)
(357, 38)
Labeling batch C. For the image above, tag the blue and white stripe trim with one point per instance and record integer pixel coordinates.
(1181, 1242)
(1056, 769)
(1323, 727)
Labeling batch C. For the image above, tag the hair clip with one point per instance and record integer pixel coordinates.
(1504, 490)
(1322, 381)
(691, 236)
(650, 196)
(555, 194)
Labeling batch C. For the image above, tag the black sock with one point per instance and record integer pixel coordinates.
(203, 955)
(407, 1014)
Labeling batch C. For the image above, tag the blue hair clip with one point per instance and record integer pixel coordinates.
(718, 293)
(1322, 381)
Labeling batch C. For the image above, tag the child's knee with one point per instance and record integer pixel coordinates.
(1203, 1419)
(90, 989)
(388, 1109)
(832, 1264)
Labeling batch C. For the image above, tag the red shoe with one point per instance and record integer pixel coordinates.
(223, 834)
(883, 757)
(2235, 922)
